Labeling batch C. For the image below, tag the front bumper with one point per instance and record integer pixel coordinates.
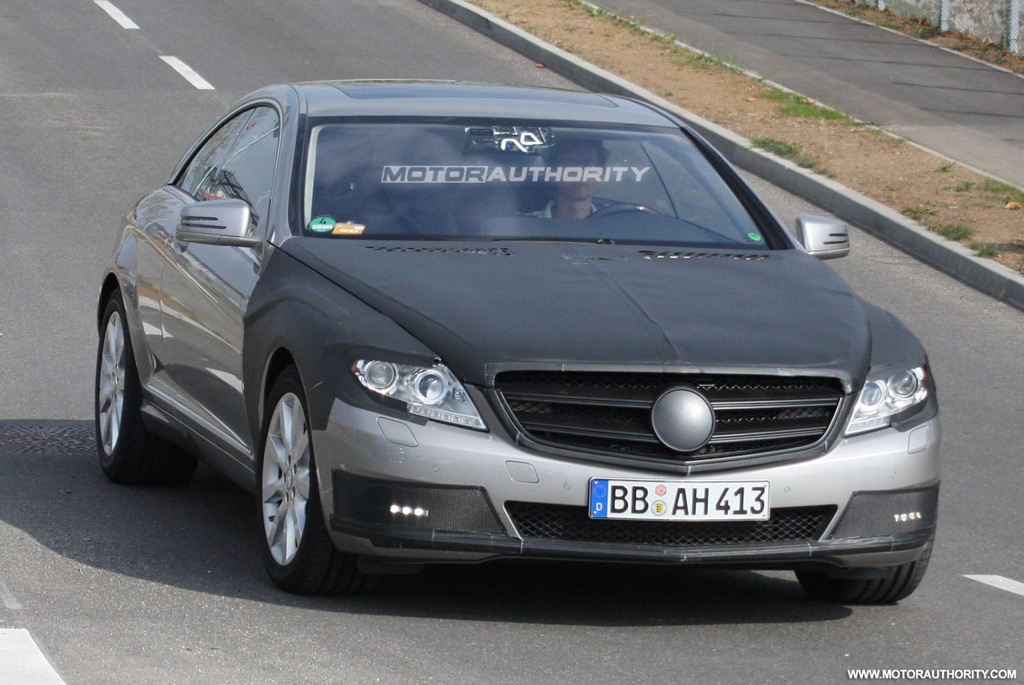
(429, 492)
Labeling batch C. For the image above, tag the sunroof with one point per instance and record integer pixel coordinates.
(411, 89)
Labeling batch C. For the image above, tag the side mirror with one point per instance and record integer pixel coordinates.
(216, 222)
(822, 237)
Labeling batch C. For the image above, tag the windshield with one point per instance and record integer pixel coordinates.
(518, 182)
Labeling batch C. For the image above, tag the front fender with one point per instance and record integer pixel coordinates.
(324, 329)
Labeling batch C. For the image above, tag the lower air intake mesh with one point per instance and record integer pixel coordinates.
(556, 522)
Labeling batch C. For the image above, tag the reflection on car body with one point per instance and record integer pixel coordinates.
(436, 322)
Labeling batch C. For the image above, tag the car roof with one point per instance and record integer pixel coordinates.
(400, 98)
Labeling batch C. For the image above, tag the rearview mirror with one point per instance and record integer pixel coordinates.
(823, 237)
(217, 222)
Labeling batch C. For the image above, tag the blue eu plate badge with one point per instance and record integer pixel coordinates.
(598, 499)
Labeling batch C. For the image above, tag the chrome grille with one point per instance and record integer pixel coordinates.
(610, 413)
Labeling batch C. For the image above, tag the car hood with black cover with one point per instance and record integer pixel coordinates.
(484, 307)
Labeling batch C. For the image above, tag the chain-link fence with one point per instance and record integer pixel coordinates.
(1000, 21)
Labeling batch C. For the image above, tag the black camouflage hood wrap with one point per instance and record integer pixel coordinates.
(488, 306)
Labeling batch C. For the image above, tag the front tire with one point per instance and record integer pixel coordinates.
(296, 546)
(128, 453)
(900, 584)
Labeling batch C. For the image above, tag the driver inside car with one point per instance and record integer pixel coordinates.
(573, 199)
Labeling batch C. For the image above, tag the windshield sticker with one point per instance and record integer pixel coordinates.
(756, 237)
(525, 142)
(522, 174)
(518, 139)
(322, 224)
(348, 229)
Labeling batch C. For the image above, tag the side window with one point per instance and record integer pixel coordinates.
(238, 161)
(248, 172)
(205, 161)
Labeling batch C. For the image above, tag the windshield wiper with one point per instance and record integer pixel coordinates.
(540, 239)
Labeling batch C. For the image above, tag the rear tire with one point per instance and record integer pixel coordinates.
(128, 453)
(296, 546)
(902, 582)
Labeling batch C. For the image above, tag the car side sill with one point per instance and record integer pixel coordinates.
(216, 432)
(172, 429)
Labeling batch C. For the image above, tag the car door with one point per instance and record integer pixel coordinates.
(206, 288)
(153, 220)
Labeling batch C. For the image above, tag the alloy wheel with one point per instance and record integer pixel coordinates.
(111, 383)
(285, 480)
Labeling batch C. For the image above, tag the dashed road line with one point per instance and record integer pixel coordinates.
(21, 660)
(187, 72)
(8, 599)
(1000, 582)
(116, 14)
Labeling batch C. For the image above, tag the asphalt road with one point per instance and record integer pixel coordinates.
(118, 584)
(962, 108)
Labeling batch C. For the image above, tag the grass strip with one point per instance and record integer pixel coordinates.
(787, 151)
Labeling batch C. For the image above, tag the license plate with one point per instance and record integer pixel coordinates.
(667, 501)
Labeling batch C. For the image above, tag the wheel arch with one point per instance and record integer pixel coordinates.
(110, 284)
(280, 359)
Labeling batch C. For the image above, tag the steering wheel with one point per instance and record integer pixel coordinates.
(620, 208)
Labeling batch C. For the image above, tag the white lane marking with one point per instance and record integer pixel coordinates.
(1001, 583)
(116, 14)
(8, 598)
(21, 661)
(187, 72)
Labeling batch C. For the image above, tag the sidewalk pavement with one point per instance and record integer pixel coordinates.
(962, 108)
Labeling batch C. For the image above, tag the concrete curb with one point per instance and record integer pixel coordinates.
(989, 277)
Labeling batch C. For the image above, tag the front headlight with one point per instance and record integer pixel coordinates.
(884, 397)
(432, 392)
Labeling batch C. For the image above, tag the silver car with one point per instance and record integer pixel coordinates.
(442, 322)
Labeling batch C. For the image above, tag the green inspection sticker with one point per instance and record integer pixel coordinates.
(756, 237)
(322, 224)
